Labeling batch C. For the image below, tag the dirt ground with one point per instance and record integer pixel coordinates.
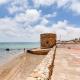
(21, 67)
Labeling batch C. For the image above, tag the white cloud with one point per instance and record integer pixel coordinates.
(3, 1)
(30, 16)
(66, 30)
(43, 2)
(54, 14)
(19, 27)
(13, 31)
(18, 6)
(8, 26)
(41, 29)
(61, 3)
(75, 6)
(44, 21)
(61, 28)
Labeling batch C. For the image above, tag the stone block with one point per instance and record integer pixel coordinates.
(48, 40)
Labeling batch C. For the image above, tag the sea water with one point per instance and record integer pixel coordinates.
(16, 48)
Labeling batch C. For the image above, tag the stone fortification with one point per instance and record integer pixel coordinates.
(48, 40)
(44, 70)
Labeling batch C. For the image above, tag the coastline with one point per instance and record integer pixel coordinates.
(9, 55)
(10, 62)
(20, 65)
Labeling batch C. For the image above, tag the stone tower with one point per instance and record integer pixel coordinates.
(48, 40)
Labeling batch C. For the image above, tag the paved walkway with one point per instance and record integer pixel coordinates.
(67, 64)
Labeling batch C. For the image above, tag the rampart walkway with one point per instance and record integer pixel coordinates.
(67, 64)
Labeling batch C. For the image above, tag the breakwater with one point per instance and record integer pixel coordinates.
(44, 70)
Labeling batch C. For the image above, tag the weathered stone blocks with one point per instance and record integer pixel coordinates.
(48, 40)
(44, 69)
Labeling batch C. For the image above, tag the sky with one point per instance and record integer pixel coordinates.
(25, 20)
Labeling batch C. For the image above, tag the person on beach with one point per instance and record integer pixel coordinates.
(24, 50)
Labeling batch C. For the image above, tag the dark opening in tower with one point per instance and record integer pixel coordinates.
(48, 40)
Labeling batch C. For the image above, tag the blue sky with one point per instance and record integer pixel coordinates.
(25, 20)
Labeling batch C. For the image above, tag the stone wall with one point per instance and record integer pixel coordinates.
(44, 70)
(48, 40)
(38, 51)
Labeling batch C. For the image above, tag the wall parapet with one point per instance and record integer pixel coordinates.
(44, 70)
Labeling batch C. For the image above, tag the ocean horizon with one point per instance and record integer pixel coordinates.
(19, 45)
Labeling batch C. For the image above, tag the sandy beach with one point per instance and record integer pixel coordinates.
(20, 67)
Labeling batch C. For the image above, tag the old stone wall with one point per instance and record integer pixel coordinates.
(48, 40)
(39, 51)
(44, 70)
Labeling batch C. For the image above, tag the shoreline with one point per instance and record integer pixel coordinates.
(20, 65)
(8, 56)
(9, 62)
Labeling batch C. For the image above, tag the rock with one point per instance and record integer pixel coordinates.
(7, 49)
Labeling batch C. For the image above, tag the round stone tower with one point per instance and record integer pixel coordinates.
(48, 40)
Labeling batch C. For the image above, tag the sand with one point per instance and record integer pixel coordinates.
(20, 67)
(67, 63)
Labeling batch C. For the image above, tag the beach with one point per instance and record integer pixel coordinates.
(16, 63)
(27, 66)
(14, 49)
(20, 67)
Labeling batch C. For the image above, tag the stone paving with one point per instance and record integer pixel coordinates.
(67, 64)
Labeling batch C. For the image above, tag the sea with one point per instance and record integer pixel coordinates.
(15, 49)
